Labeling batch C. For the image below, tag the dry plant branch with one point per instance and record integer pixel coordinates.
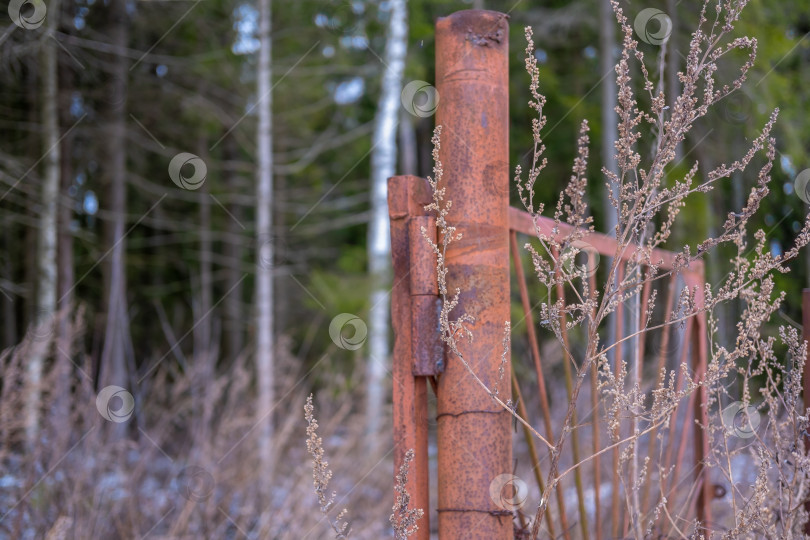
(321, 474)
(404, 519)
(647, 207)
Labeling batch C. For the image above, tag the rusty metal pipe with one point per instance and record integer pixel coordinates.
(407, 196)
(474, 436)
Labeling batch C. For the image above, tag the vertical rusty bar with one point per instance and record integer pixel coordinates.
(616, 513)
(406, 194)
(427, 348)
(597, 447)
(700, 365)
(569, 392)
(687, 423)
(694, 407)
(642, 323)
(673, 422)
(660, 376)
(474, 436)
(541, 381)
(673, 486)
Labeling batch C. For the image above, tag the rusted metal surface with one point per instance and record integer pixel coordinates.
(522, 222)
(428, 349)
(407, 196)
(473, 433)
(427, 346)
(474, 436)
(424, 280)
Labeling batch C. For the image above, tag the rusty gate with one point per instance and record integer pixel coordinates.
(473, 434)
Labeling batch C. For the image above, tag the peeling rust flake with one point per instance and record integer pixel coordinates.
(484, 40)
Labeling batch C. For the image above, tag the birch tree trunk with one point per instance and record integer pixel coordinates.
(264, 247)
(607, 62)
(383, 162)
(46, 245)
(673, 85)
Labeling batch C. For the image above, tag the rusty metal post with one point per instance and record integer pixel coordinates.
(474, 436)
(407, 196)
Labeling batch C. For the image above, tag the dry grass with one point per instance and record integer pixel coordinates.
(166, 474)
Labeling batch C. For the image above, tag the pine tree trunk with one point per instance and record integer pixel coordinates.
(204, 353)
(116, 334)
(8, 310)
(66, 278)
(233, 251)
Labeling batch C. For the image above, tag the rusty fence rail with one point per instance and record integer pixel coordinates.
(693, 346)
(419, 362)
(473, 436)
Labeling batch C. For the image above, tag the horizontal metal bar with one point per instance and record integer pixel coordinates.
(523, 222)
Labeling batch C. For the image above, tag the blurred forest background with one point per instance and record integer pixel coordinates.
(188, 200)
